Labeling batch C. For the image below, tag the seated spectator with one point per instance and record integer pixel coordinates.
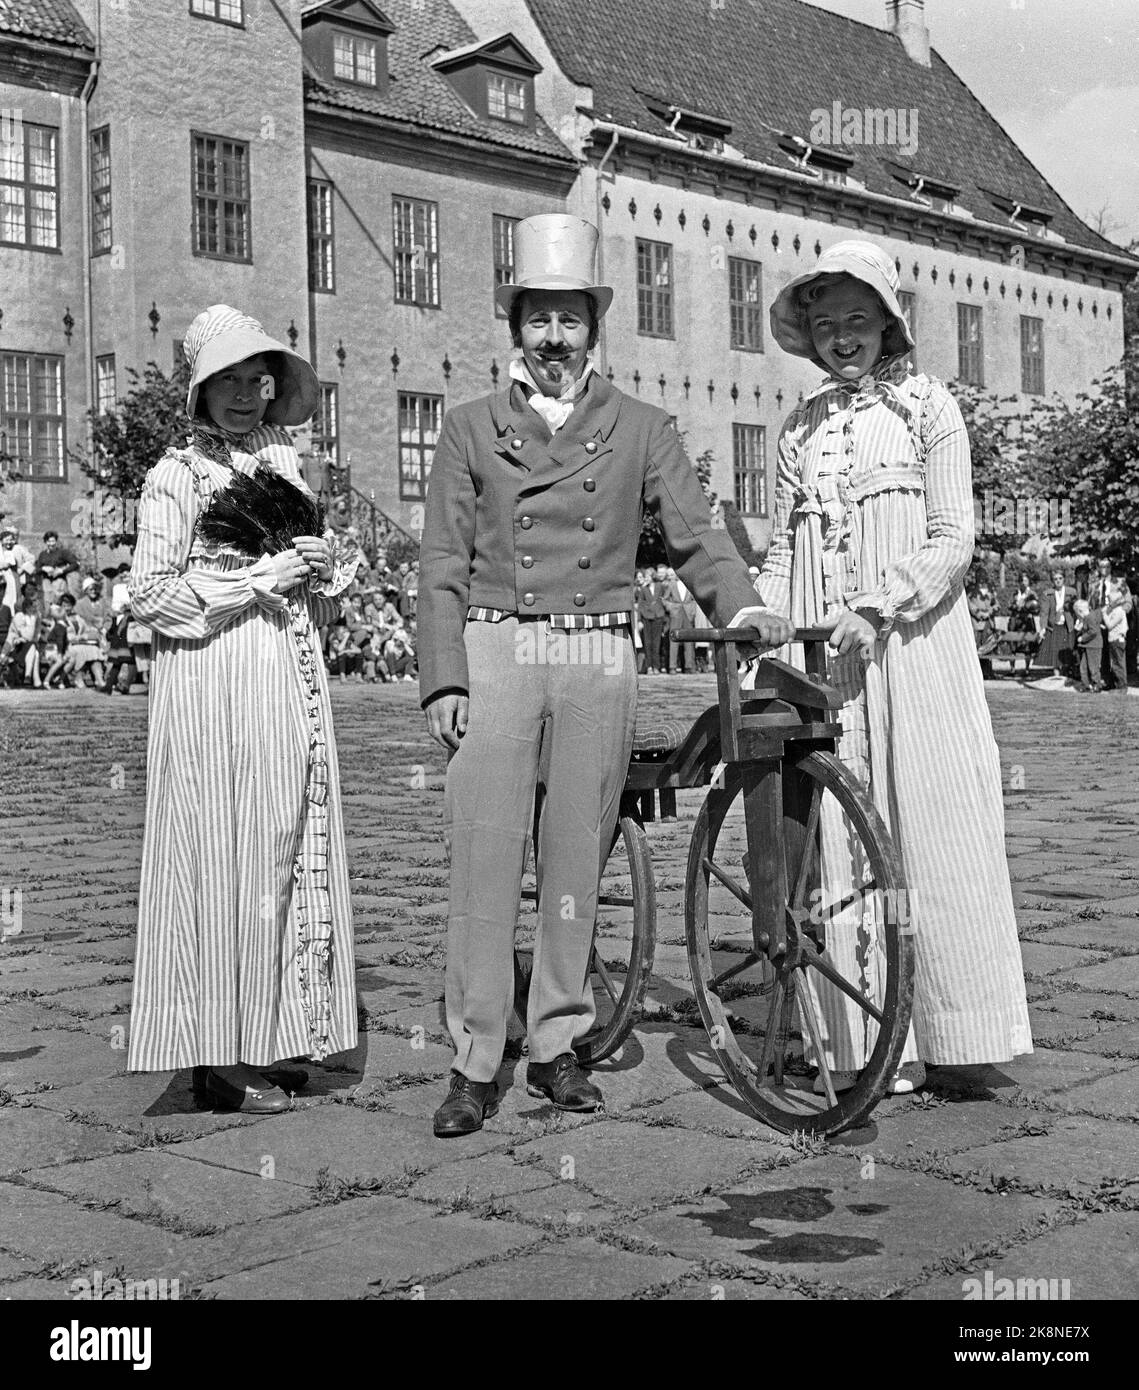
(21, 645)
(399, 655)
(55, 636)
(85, 646)
(344, 656)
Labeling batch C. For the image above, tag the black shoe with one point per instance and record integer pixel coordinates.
(287, 1079)
(214, 1088)
(563, 1082)
(468, 1104)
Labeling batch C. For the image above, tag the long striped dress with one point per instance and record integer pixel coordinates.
(874, 499)
(245, 921)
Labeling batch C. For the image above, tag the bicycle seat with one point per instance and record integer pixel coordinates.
(661, 736)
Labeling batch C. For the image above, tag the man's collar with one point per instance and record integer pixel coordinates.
(572, 390)
(594, 416)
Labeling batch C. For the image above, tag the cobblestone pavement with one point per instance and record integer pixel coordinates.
(673, 1192)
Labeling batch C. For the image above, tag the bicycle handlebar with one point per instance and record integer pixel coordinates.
(744, 635)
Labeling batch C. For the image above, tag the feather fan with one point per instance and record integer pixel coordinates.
(260, 513)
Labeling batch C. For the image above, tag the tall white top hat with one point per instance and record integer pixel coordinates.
(554, 251)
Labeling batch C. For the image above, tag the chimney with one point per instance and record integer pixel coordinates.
(906, 19)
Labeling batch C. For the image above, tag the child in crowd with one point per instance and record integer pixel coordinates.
(1115, 633)
(1089, 644)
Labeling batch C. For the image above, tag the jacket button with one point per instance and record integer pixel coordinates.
(591, 447)
(526, 522)
(579, 600)
(589, 485)
(528, 600)
(527, 562)
(589, 524)
(583, 563)
(516, 443)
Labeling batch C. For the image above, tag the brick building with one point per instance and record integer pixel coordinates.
(349, 172)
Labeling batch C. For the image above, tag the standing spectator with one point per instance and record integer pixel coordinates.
(1113, 657)
(408, 591)
(1056, 648)
(120, 659)
(53, 564)
(17, 566)
(1115, 634)
(674, 617)
(1089, 644)
(1024, 614)
(654, 617)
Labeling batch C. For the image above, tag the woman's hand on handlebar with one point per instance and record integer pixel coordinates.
(851, 631)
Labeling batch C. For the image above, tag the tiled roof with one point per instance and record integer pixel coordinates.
(420, 96)
(766, 67)
(54, 20)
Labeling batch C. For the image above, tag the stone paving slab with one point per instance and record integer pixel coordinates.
(1118, 1040)
(161, 1184)
(1113, 1095)
(578, 1268)
(1062, 1254)
(31, 1137)
(832, 1227)
(1118, 976)
(1051, 1070)
(382, 1259)
(63, 1058)
(48, 1227)
(916, 1130)
(353, 1144)
(634, 1162)
(151, 1107)
(1080, 1153)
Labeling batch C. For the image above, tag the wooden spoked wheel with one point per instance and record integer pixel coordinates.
(623, 945)
(839, 1000)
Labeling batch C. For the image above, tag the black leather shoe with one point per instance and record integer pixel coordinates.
(287, 1079)
(270, 1101)
(468, 1104)
(563, 1082)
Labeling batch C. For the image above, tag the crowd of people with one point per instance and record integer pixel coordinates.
(662, 605)
(1085, 630)
(61, 628)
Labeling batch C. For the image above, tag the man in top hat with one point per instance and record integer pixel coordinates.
(525, 605)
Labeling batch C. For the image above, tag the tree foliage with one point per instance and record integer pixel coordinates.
(651, 548)
(128, 440)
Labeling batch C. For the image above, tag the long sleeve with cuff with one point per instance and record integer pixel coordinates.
(165, 595)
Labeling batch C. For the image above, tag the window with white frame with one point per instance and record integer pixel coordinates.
(745, 304)
(506, 98)
(225, 11)
(31, 413)
(416, 246)
(29, 185)
(908, 303)
(222, 207)
(1031, 355)
(100, 154)
(420, 420)
(970, 345)
(654, 288)
(749, 469)
(354, 58)
(502, 235)
(321, 263)
(106, 390)
(326, 424)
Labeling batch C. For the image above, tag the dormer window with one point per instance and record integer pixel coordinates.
(347, 41)
(824, 163)
(495, 78)
(354, 58)
(932, 192)
(700, 130)
(506, 98)
(1025, 217)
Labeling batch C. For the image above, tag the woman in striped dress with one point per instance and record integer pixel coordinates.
(872, 538)
(245, 926)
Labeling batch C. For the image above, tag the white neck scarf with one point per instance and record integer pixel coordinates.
(555, 410)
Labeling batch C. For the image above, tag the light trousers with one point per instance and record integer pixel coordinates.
(578, 691)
